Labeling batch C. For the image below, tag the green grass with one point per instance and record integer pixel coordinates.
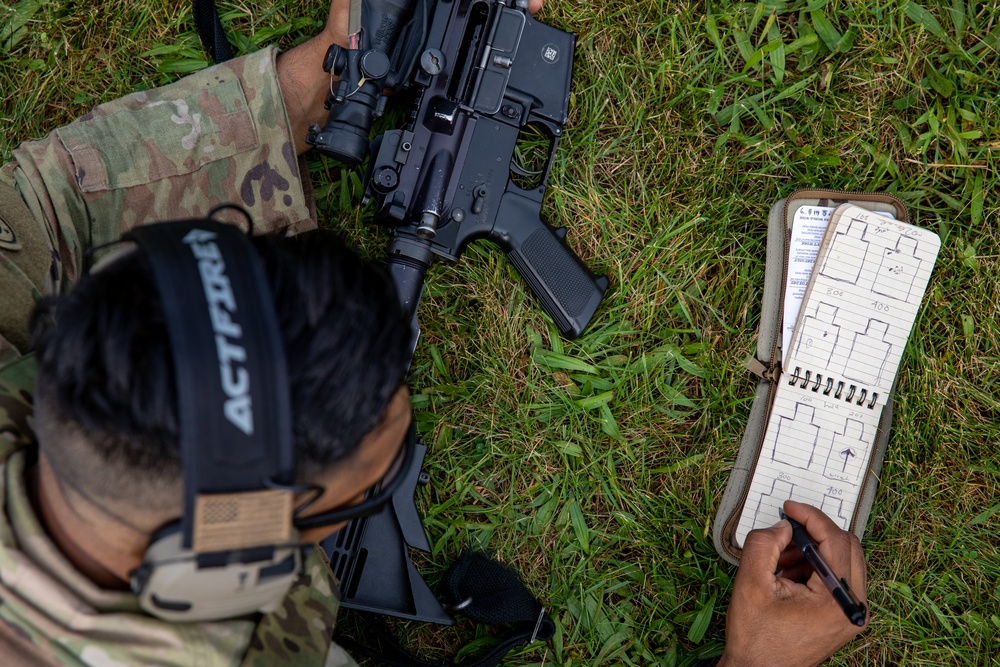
(596, 466)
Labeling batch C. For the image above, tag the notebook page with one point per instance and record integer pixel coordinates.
(809, 226)
(859, 308)
(862, 299)
(815, 451)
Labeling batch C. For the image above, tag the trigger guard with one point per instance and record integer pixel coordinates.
(554, 132)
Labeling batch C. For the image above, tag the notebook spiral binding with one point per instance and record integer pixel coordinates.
(804, 379)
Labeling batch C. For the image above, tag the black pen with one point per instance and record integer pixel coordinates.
(853, 608)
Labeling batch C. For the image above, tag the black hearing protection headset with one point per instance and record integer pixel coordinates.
(235, 550)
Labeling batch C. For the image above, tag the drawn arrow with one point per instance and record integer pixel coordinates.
(847, 454)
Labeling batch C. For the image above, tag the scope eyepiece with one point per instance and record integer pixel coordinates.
(335, 60)
(341, 141)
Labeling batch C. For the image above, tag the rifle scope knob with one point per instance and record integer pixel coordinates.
(432, 61)
(374, 64)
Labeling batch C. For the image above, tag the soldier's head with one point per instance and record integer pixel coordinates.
(106, 401)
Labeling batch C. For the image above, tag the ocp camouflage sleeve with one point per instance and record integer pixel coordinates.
(299, 633)
(219, 136)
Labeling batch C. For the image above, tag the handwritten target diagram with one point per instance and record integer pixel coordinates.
(898, 270)
(823, 418)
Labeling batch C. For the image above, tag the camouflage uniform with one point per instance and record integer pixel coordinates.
(218, 136)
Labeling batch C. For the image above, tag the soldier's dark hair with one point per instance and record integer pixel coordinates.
(106, 402)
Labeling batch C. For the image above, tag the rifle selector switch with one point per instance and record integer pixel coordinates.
(479, 203)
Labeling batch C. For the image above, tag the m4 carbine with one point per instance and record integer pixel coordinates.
(483, 71)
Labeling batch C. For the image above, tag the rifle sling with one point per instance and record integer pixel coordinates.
(210, 30)
(486, 592)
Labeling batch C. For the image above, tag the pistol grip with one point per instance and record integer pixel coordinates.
(569, 292)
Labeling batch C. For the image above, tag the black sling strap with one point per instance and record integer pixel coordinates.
(210, 30)
(486, 592)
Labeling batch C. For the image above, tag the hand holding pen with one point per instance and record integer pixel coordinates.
(782, 610)
(838, 586)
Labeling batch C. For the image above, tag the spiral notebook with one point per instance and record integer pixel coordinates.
(862, 299)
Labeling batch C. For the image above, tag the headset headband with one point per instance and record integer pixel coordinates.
(232, 384)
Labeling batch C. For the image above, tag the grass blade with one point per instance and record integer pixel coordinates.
(700, 624)
(919, 14)
(826, 30)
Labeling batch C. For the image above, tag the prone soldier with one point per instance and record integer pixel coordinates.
(89, 462)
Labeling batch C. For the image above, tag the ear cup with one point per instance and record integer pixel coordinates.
(176, 584)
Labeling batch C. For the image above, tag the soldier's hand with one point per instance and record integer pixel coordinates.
(781, 612)
(335, 30)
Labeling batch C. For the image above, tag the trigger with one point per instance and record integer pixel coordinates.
(521, 171)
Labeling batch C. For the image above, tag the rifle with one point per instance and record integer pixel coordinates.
(484, 72)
